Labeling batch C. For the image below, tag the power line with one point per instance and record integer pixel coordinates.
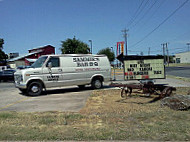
(154, 12)
(135, 13)
(145, 14)
(161, 23)
(138, 12)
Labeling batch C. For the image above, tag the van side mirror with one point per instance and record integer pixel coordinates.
(49, 65)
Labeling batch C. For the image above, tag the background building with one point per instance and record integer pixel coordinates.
(183, 57)
(31, 57)
(13, 55)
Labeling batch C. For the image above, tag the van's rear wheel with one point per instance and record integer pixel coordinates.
(34, 89)
(96, 84)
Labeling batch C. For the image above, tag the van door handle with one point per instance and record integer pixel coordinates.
(60, 70)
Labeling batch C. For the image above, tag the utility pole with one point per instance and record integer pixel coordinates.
(164, 52)
(165, 47)
(125, 38)
(90, 45)
(168, 58)
(148, 51)
(188, 46)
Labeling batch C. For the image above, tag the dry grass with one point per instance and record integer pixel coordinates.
(106, 116)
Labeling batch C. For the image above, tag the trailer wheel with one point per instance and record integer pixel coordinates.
(34, 88)
(125, 92)
(96, 83)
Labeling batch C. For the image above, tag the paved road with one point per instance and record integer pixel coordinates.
(65, 99)
(178, 71)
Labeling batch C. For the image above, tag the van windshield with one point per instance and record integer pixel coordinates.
(39, 62)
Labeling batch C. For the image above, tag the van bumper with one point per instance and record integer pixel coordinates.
(20, 85)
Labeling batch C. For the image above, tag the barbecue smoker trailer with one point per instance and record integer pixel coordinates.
(144, 69)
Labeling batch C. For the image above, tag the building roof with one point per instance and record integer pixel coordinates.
(30, 60)
(22, 56)
(41, 47)
(183, 52)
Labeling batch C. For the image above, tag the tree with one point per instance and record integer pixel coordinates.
(74, 46)
(108, 53)
(3, 56)
(1, 43)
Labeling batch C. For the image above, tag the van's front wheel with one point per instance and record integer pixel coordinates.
(22, 90)
(96, 84)
(34, 89)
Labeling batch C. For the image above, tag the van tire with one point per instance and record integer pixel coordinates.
(23, 91)
(34, 88)
(96, 84)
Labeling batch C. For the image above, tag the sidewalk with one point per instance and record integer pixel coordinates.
(173, 82)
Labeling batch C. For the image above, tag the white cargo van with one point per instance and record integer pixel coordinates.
(63, 70)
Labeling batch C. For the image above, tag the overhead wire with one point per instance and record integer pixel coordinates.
(145, 13)
(160, 23)
(150, 17)
(137, 13)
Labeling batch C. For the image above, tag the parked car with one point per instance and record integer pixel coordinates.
(23, 67)
(7, 75)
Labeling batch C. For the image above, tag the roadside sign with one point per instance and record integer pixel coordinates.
(143, 67)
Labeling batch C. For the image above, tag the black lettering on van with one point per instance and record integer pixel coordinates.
(53, 78)
(74, 59)
(91, 63)
(84, 59)
(96, 63)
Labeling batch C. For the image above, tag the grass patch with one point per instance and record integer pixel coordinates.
(106, 116)
(7, 115)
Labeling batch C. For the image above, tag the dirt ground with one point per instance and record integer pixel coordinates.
(106, 116)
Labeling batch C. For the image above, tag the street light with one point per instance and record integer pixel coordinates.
(90, 45)
(113, 66)
(188, 45)
(111, 49)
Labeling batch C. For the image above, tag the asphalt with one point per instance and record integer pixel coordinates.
(178, 71)
(62, 99)
(65, 99)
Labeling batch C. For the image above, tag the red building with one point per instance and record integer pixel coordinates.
(33, 54)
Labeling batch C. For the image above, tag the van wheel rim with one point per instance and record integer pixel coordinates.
(97, 84)
(34, 89)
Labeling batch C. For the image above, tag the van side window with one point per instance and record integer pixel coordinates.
(54, 61)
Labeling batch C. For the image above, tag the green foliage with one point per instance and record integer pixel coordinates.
(1, 43)
(74, 46)
(108, 53)
(3, 56)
